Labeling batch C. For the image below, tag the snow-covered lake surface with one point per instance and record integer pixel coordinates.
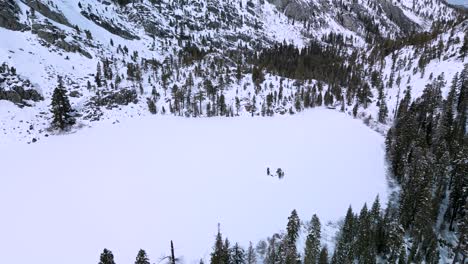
(142, 182)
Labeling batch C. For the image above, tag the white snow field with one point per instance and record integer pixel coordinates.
(142, 182)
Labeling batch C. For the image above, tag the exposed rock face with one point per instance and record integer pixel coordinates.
(54, 36)
(297, 9)
(111, 99)
(9, 15)
(398, 17)
(38, 6)
(354, 17)
(350, 22)
(18, 95)
(109, 26)
(108, 99)
(47, 32)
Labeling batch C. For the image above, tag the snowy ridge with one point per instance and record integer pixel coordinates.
(222, 26)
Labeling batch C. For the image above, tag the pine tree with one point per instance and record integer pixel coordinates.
(365, 252)
(464, 48)
(107, 257)
(355, 109)
(312, 246)
(151, 106)
(217, 256)
(393, 233)
(323, 259)
(88, 85)
(274, 252)
(404, 104)
(98, 77)
(251, 257)
(61, 108)
(238, 255)
(462, 246)
(402, 257)
(377, 226)
(383, 111)
(364, 95)
(344, 250)
(319, 99)
(292, 228)
(227, 256)
(142, 258)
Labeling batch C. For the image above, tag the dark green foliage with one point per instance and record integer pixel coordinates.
(383, 111)
(218, 251)
(221, 251)
(464, 48)
(191, 53)
(257, 76)
(312, 245)
(323, 258)
(251, 257)
(98, 76)
(151, 106)
(424, 148)
(365, 245)
(106, 257)
(312, 62)
(344, 249)
(364, 95)
(60, 108)
(226, 255)
(237, 255)
(276, 250)
(142, 258)
(293, 227)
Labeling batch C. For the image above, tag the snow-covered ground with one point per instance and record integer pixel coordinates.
(142, 182)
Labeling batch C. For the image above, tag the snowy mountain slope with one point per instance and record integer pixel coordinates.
(414, 67)
(69, 39)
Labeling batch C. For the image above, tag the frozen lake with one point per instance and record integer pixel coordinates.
(142, 182)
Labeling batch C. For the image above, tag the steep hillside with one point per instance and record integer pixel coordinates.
(182, 56)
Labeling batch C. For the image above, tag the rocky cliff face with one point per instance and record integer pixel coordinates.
(47, 11)
(15, 89)
(355, 16)
(9, 12)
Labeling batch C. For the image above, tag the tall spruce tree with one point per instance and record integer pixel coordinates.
(142, 258)
(217, 256)
(344, 249)
(106, 257)
(365, 251)
(293, 227)
(60, 108)
(98, 76)
(227, 254)
(312, 245)
(251, 257)
(238, 254)
(275, 250)
(323, 258)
